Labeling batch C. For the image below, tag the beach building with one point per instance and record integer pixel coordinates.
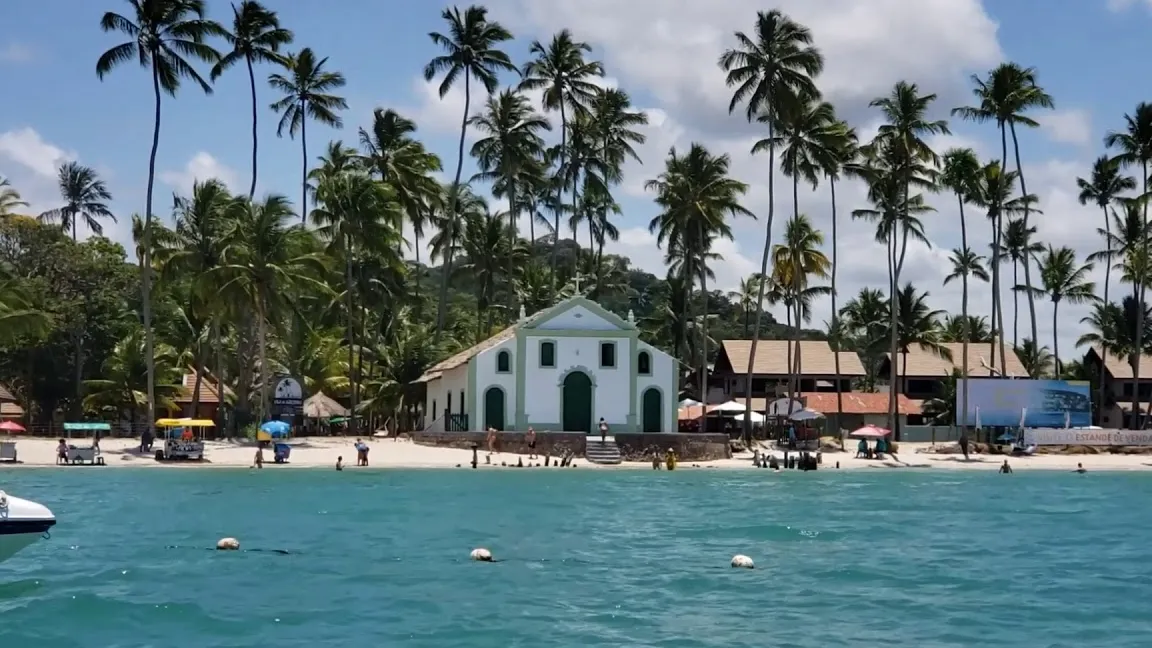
(770, 369)
(1120, 396)
(922, 374)
(10, 410)
(207, 400)
(562, 369)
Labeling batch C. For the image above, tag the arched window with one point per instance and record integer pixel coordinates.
(503, 362)
(644, 364)
(548, 354)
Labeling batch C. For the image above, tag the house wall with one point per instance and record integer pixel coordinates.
(453, 381)
(543, 386)
(577, 318)
(663, 378)
(486, 364)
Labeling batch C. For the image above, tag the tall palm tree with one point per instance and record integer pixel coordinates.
(696, 195)
(745, 298)
(916, 325)
(1135, 146)
(9, 199)
(1016, 247)
(561, 72)
(844, 146)
(774, 67)
(307, 88)
(1103, 189)
(1004, 96)
(960, 169)
(1064, 280)
(510, 144)
(471, 48)
(165, 36)
(85, 199)
(797, 258)
(256, 37)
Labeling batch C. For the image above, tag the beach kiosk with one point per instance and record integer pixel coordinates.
(183, 440)
(81, 455)
(275, 433)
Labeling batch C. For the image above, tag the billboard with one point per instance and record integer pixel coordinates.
(1047, 402)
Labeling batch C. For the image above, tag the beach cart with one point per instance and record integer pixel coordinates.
(274, 432)
(183, 439)
(79, 455)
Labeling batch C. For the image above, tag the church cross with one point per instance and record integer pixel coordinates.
(576, 281)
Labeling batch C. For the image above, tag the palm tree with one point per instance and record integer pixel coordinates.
(696, 195)
(955, 327)
(916, 324)
(165, 37)
(745, 297)
(1104, 189)
(256, 37)
(1016, 247)
(775, 67)
(959, 173)
(471, 49)
(9, 199)
(1009, 91)
(85, 198)
(794, 260)
(510, 145)
(126, 377)
(17, 315)
(307, 88)
(560, 71)
(1063, 280)
(843, 144)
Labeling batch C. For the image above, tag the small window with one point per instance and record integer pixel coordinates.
(503, 362)
(462, 401)
(644, 364)
(547, 354)
(608, 355)
(435, 411)
(448, 410)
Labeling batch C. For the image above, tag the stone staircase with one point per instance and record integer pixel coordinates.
(607, 453)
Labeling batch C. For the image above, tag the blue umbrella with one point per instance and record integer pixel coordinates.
(1007, 436)
(275, 429)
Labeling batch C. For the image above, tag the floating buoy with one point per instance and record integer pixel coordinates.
(227, 544)
(482, 555)
(740, 561)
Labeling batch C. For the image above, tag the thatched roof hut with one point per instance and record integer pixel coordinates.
(322, 406)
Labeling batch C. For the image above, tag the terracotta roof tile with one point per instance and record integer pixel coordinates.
(208, 392)
(927, 364)
(859, 403)
(816, 358)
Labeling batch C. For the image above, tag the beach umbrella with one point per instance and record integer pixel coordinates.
(321, 406)
(275, 429)
(730, 406)
(12, 426)
(870, 432)
(688, 402)
(806, 415)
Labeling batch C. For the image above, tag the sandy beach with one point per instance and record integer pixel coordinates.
(322, 452)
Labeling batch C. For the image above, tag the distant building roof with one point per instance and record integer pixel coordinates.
(816, 358)
(9, 409)
(6, 395)
(208, 391)
(918, 363)
(1120, 369)
(858, 403)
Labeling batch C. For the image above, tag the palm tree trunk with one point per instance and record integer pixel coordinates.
(836, 316)
(262, 343)
(704, 340)
(1107, 281)
(220, 391)
(419, 274)
(454, 194)
(894, 330)
(1015, 304)
(78, 370)
(1026, 260)
(350, 335)
(146, 283)
(760, 287)
(252, 86)
(995, 291)
(512, 235)
(1142, 421)
(197, 386)
(997, 236)
(1055, 341)
(304, 169)
(966, 367)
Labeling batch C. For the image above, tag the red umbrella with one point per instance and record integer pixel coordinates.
(870, 432)
(12, 426)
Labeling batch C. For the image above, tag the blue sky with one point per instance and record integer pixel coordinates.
(1091, 55)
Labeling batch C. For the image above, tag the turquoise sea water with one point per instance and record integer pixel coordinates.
(592, 558)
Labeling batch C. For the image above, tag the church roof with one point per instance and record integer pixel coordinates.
(464, 356)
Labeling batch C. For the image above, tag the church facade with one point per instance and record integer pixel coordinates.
(563, 369)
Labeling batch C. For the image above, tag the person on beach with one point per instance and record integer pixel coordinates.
(339, 463)
(964, 444)
(603, 429)
(1005, 469)
(530, 438)
(258, 460)
(62, 452)
(1080, 468)
(491, 439)
(362, 450)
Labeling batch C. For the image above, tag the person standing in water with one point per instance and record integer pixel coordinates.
(339, 463)
(1005, 469)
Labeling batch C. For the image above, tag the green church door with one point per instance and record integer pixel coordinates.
(653, 408)
(494, 408)
(576, 402)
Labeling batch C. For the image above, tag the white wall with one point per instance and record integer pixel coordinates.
(578, 318)
(452, 381)
(664, 377)
(542, 388)
(486, 377)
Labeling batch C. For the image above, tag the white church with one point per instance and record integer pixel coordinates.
(560, 370)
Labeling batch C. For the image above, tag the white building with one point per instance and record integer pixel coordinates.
(563, 369)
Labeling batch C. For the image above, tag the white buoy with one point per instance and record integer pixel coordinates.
(481, 554)
(740, 561)
(227, 544)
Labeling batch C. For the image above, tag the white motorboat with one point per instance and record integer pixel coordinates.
(22, 522)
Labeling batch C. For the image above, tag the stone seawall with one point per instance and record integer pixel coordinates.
(688, 446)
(554, 443)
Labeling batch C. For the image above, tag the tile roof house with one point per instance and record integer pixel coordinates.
(921, 373)
(209, 395)
(770, 367)
(9, 408)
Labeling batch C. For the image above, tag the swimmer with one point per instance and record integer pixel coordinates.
(1005, 469)
(1080, 469)
(340, 463)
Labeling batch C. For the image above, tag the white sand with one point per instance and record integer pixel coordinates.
(387, 453)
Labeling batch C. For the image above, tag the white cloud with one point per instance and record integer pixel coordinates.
(26, 147)
(14, 52)
(1067, 126)
(200, 167)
